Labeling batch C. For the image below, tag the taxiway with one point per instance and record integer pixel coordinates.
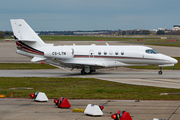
(26, 109)
(169, 79)
(20, 109)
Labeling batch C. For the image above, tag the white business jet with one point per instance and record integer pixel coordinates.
(85, 57)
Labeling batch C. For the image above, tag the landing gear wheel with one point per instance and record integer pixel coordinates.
(83, 72)
(90, 72)
(160, 72)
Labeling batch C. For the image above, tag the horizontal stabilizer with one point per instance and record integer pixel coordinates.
(37, 59)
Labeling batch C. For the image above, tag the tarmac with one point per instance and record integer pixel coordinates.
(26, 109)
(169, 78)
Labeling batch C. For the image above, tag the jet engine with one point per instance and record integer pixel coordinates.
(60, 53)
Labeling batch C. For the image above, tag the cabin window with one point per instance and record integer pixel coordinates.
(151, 51)
(99, 53)
(116, 53)
(105, 52)
(122, 53)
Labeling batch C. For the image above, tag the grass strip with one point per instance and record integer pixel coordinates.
(130, 39)
(147, 40)
(82, 88)
(88, 38)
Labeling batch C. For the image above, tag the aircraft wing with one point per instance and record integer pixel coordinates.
(92, 64)
(83, 64)
(77, 64)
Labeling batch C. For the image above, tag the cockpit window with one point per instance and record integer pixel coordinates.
(151, 51)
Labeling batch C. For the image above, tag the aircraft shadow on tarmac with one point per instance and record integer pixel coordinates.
(79, 74)
(64, 73)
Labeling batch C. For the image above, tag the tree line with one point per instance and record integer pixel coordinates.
(3, 34)
(148, 32)
(135, 32)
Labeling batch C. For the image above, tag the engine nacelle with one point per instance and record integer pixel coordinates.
(60, 53)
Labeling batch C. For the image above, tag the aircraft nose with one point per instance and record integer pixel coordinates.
(173, 61)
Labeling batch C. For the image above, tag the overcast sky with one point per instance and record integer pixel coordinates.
(60, 15)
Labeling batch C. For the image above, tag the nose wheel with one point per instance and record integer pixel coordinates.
(160, 72)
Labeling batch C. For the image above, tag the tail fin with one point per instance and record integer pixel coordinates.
(23, 32)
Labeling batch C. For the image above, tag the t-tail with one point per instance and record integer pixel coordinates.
(27, 41)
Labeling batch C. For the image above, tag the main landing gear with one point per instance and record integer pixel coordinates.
(160, 72)
(83, 72)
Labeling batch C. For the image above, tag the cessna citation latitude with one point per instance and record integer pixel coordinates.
(85, 57)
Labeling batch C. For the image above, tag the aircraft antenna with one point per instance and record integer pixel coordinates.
(107, 44)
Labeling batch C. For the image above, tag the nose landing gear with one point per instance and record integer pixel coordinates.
(160, 72)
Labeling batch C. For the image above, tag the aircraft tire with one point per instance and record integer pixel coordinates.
(90, 72)
(160, 72)
(83, 72)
